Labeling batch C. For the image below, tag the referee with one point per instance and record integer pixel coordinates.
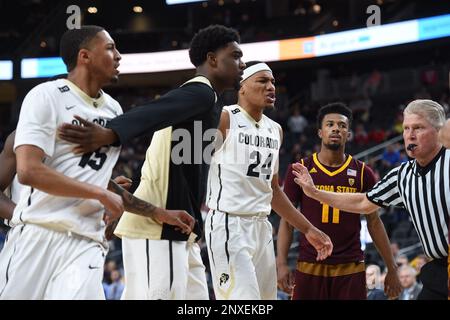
(421, 186)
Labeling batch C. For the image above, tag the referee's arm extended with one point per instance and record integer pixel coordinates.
(350, 202)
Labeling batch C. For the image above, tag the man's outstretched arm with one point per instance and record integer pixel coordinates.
(283, 206)
(350, 202)
(392, 286)
(179, 218)
(172, 108)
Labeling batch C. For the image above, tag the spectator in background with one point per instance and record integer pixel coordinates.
(297, 124)
(403, 156)
(411, 288)
(417, 263)
(110, 266)
(377, 135)
(114, 290)
(397, 128)
(373, 281)
(360, 107)
(395, 249)
(360, 136)
(391, 156)
(429, 76)
(444, 102)
(373, 83)
(402, 260)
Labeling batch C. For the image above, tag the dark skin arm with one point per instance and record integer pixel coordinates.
(392, 286)
(179, 218)
(7, 172)
(179, 105)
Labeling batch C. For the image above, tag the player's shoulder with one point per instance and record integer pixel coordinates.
(307, 161)
(273, 123)
(233, 109)
(199, 82)
(51, 87)
(113, 103)
(198, 87)
(357, 163)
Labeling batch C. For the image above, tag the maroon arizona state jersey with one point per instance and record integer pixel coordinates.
(342, 227)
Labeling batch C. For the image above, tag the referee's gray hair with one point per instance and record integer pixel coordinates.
(429, 109)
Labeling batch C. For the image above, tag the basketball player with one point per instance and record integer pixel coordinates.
(342, 274)
(11, 186)
(242, 191)
(160, 262)
(56, 249)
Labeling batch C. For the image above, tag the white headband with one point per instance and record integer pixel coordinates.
(248, 72)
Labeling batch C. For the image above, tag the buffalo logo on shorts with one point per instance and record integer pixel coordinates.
(224, 278)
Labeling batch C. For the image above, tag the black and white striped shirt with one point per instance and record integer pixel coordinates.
(425, 193)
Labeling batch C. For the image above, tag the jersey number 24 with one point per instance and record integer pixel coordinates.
(265, 170)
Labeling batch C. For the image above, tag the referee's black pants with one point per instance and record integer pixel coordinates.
(434, 280)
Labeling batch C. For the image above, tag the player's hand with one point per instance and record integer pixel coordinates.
(88, 136)
(285, 278)
(113, 205)
(178, 218)
(303, 179)
(320, 241)
(123, 182)
(392, 286)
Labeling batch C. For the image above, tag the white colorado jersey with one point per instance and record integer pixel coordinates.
(241, 171)
(44, 108)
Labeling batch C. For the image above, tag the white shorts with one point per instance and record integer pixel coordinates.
(38, 263)
(241, 257)
(163, 269)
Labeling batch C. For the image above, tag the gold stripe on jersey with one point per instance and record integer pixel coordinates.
(201, 79)
(330, 270)
(95, 102)
(326, 171)
(153, 188)
(362, 176)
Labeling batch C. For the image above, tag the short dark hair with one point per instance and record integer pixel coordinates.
(210, 39)
(334, 107)
(73, 40)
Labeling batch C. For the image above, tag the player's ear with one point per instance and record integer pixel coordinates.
(319, 133)
(83, 56)
(241, 89)
(212, 59)
(350, 136)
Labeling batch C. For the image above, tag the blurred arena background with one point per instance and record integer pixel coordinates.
(375, 70)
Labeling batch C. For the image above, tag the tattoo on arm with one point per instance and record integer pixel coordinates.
(132, 203)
